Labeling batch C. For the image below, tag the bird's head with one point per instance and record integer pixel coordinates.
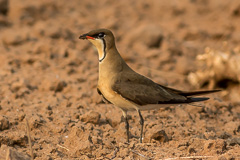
(102, 39)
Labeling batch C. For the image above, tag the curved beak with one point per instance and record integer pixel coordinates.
(85, 36)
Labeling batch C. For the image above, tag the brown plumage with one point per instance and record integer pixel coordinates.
(128, 90)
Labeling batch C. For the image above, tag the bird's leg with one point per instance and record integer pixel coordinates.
(126, 124)
(142, 123)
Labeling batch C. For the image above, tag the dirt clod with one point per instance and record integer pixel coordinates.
(160, 136)
(91, 117)
(4, 123)
(12, 154)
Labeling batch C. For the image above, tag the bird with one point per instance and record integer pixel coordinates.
(128, 90)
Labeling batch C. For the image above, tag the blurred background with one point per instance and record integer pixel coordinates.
(50, 76)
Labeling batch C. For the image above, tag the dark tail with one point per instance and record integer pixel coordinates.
(196, 99)
(197, 92)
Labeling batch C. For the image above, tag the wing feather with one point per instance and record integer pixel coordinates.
(143, 91)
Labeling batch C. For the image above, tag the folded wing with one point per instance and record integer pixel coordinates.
(143, 91)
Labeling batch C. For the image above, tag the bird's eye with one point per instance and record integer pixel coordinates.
(101, 35)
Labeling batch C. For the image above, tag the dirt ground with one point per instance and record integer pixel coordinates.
(48, 77)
